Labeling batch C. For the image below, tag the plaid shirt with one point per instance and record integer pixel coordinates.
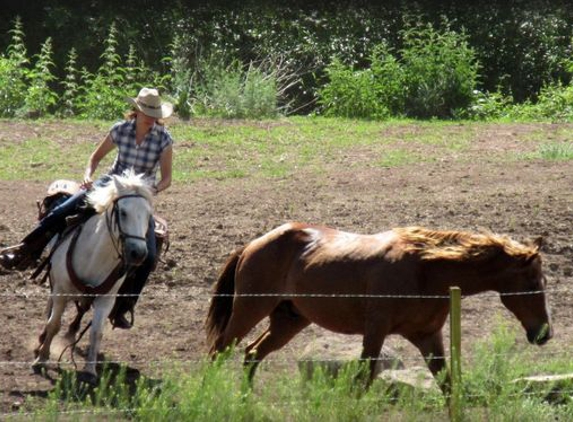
(142, 158)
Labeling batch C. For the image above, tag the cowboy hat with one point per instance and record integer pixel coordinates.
(149, 103)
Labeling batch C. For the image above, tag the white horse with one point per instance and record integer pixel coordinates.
(89, 265)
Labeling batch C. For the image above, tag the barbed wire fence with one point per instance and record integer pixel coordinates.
(21, 293)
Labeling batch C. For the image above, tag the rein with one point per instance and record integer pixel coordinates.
(119, 270)
(109, 218)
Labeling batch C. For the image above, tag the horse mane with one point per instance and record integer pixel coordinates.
(127, 183)
(462, 246)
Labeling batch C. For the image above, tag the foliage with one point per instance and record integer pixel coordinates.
(350, 93)
(488, 106)
(102, 94)
(40, 97)
(440, 71)
(68, 101)
(235, 91)
(433, 76)
(13, 73)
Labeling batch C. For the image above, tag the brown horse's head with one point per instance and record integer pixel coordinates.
(523, 293)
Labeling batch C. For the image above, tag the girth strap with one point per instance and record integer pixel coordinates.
(104, 287)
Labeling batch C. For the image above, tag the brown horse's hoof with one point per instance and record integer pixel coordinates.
(39, 368)
(87, 378)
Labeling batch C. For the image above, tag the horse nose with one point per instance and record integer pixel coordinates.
(136, 254)
(540, 336)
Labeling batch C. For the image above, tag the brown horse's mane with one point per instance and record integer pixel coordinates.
(461, 246)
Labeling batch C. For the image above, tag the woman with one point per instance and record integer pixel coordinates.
(145, 146)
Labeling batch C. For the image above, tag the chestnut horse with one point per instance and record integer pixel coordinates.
(373, 285)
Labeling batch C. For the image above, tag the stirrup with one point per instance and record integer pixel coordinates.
(9, 249)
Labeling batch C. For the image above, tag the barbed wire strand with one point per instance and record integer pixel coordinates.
(282, 295)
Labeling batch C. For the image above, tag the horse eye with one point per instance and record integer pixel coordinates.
(123, 213)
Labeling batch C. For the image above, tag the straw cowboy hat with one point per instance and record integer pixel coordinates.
(149, 103)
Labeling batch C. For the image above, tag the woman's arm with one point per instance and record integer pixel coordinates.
(166, 168)
(103, 148)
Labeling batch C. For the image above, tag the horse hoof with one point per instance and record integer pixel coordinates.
(39, 368)
(87, 378)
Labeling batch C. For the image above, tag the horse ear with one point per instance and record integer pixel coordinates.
(116, 183)
(538, 242)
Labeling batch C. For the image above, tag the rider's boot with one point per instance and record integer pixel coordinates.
(23, 255)
(118, 315)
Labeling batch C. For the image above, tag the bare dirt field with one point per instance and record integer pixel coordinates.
(209, 219)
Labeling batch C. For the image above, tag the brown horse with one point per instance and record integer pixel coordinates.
(372, 285)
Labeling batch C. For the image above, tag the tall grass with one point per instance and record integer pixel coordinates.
(218, 391)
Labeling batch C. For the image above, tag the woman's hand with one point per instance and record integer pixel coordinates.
(87, 182)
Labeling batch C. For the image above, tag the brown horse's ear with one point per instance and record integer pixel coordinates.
(538, 242)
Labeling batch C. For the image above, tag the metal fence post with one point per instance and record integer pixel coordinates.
(455, 352)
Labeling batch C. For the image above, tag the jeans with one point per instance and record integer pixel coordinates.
(137, 276)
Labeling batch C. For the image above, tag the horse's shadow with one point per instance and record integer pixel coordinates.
(116, 384)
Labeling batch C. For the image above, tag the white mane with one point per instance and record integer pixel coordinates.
(128, 183)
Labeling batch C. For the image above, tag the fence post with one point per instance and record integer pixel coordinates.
(455, 352)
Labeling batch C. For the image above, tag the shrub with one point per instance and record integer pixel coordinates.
(40, 97)
(440, 72)
(13, 73)
(235, 91)
(68, 100)
(375, 92)
(351, 93)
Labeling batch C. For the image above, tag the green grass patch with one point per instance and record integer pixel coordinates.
(205, 391)
(216, 149)
(556, 151)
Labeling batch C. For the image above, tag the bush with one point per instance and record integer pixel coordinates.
(13, 73)
(440, 72)
(351, 93)
(235, 91)
(435, 76)
(40, 97)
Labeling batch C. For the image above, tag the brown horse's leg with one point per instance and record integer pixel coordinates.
(432, 348)
(372, 346)
(285, 323)
(247, 313)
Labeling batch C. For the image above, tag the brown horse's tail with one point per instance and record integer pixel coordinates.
(222, 302)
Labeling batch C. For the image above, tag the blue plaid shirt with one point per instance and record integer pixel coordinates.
(142, 158)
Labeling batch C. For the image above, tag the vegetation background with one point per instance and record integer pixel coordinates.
(221, 57)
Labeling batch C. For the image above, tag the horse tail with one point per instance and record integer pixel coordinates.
(222, 301)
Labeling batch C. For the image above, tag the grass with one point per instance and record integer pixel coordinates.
(208, 149)
(217, 391)
(556, 151)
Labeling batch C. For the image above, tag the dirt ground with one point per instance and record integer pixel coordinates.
(208, 219)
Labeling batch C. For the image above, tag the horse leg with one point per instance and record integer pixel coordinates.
(285, 323)
(431, 347)
(247, 313)
(50, 330)
(74, 326)
(372, 343)
(102, 308)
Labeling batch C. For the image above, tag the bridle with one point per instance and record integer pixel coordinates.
(113, 217)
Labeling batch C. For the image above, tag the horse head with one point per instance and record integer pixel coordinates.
(131, 211)
(524, 295)
(126, 200)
